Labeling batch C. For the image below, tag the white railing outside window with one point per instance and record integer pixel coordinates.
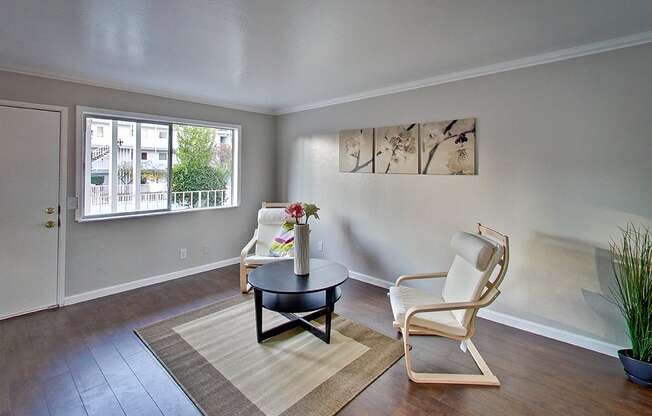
(100, 199)
(200, 199)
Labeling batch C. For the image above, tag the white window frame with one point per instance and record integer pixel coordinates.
(80, 173)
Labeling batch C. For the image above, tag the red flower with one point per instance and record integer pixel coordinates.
(295, 211)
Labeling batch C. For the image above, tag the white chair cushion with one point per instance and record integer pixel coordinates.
(258, 260)
(466, 278)
(403, 298)
(475, 249)
(269, 226)
(463, 283)
(271, 216)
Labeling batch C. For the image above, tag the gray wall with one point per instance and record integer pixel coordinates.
(563, 159)
(107, 253)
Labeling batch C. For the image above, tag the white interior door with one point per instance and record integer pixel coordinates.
(29, 191)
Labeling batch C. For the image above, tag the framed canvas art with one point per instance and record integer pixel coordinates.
(448, 147)
(357, 150)
(396, 149)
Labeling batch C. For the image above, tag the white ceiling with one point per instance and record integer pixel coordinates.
(275, 55)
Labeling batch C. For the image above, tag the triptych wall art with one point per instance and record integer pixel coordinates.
(436, 148)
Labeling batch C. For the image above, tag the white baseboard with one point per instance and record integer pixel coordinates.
(550, 332)
(123, 287)
(370, 279)
(13, 315)
(522, 324)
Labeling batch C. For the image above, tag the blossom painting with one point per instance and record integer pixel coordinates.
(357, 150)
(396, 149)
(448, 147)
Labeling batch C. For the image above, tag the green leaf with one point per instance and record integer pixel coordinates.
(310, 210)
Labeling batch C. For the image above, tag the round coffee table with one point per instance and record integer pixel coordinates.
(278, 289)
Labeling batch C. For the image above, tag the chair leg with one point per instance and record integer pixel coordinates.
(243, 278)
(487, 378)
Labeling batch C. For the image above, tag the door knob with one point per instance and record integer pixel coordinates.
(50, 224)
(50, 210)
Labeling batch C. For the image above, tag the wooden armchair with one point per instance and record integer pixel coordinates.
(271, 217)
(468, 287)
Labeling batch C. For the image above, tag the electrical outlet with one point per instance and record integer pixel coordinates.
(204, 251)
(183, 253)
(320, 245)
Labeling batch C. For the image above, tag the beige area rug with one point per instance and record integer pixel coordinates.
(213, 355)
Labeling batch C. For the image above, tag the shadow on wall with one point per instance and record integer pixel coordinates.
(361, 256)
(601, 303)
(557, 276)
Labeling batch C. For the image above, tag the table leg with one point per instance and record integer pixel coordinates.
(258, 302)
(330, 307)
(295, 320)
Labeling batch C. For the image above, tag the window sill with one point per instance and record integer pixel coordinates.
(80, 219)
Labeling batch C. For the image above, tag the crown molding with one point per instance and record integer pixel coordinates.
(544, 58)
(115, 85)
(559, 55)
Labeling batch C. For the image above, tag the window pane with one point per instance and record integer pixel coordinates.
(132, 165)
(202, 165)
(153, 171)
(120, 179)
(98, 157)
(126, 142)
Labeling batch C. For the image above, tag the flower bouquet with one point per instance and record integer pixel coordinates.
(298, 214)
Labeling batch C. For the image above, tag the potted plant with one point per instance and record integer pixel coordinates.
(632, 265)
(299, 213)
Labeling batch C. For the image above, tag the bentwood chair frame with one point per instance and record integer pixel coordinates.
(489, 295)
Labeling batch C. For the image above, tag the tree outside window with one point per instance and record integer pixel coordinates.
(202, 163)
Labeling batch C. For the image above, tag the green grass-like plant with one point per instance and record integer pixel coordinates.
(632, 264)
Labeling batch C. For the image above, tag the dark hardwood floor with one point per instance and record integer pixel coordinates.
(85, 360)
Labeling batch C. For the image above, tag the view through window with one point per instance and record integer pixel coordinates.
(136, 166)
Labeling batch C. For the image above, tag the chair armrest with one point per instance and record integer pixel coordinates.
(434, 275)
(485, 300)
(247, 248)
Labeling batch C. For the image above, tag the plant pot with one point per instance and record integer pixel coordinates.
(301, 249)
(640, 372)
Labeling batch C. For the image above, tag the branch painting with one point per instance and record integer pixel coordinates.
(357, 150)
(448, 147)
(396, 149)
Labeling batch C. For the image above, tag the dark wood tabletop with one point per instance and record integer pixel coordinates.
(279, 277)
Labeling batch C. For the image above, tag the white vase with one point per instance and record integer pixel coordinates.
(301, 249)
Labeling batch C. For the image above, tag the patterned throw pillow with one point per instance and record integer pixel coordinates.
(283, 244)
